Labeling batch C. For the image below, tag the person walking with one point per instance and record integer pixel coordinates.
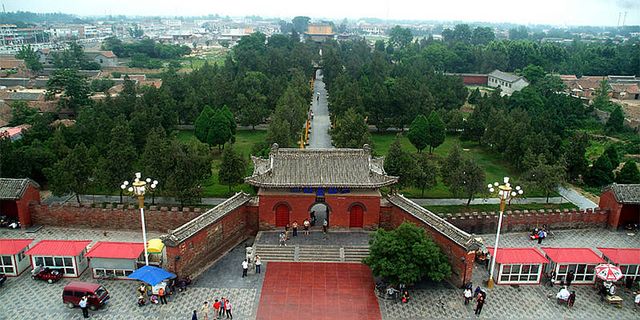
(204, 310)
(569, 278)
(227, 308)
(286, 231)
(479, 304)
(163, 296)
(216, 308)
(282, 239)
(245, 267)
(258, 263)
(541, 235)
(194, 315)
(467, 295)
(223, 304)
(325, 224)
(84, 307)
(294, 226)
(572, 299)
(305, 226)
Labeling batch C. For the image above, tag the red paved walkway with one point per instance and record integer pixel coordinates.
(310, 291)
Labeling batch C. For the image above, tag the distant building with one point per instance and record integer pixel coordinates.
(471, 79)
(13, 133)
(104, 58)
(507, 82)
(234, 35)
(319, 32)
(584, 87)
(623, 203)
(12, 65)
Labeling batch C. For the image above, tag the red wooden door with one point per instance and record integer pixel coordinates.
(282, 215)
(356, 217)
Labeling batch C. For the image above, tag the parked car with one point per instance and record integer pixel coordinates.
(3, 278)
(97, 295)
(47, 274)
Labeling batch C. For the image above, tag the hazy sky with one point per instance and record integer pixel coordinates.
(556, 12)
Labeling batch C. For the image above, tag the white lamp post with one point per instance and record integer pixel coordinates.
(138, 189)
(505, 193)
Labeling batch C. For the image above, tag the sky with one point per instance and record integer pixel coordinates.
(553, 12)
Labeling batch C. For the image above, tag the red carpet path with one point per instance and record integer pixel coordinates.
(318, 291)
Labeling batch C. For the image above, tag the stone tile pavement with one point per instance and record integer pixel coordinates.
(580, 238)
(316, 237)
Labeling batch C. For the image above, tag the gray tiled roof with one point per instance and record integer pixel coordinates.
(13, 189)
(204, 220)
(505, 76)
(450, 231)
(626, 193)
(349, 168)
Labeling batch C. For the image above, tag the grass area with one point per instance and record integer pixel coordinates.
(494, 207)
(494, 167)
(196, 61)
(245, 139)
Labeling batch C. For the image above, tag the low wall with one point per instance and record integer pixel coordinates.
(487, 222)
(111, 217)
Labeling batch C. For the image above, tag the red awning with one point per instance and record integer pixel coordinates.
(622, 255)
(519, 256)
(572, 255)
(13, 246)
(116, 250)
(60, 248)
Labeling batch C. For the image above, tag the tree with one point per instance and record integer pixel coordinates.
(406, 255)
(191, 165)
(400, 37)
(482, 35)
(575, 156)
(219, 131)
(156, 159)
(21, 113)
(474, 96)
(232, 168)
(351, 131)
(419, 132)
(73, 86)
(436, 132)
(119, 158)
(279, 132)
(601, 173)
(401, 164)
(545, 177)
(615, 123)
(614, 156)
(136, 32)
(427, 171)
(73, 174)
(450, 164)
(300, 24)
(602, 101)
(519, 33)
(30, 57)
(629, 173)
(203, 124)
(467, 180)
(534, 74)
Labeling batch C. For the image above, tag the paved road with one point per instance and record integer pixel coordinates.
(576, 198)
(321, 123)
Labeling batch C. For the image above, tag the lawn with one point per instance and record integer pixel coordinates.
(245, 139)
(441, 210)
(213, 56)
(494, 167)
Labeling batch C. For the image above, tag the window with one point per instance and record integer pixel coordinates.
(65, 264)
(584, 273)
(525, 273)
(6, 265)
(632, 271)
(118, 273)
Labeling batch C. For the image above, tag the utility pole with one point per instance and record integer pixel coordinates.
(624, 18)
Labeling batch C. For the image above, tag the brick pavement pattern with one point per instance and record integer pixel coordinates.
(310, 291)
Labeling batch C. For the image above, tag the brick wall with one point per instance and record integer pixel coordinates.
(460, 259)
(487, 222)
(111, 217)
(197, 252)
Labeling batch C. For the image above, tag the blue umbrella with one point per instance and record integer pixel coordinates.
(151, 275)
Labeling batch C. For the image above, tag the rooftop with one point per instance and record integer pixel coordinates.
(505, 76)
(116, 250)
(338, 168)
(622, 255)
(572, 255)
(519, 256)
(625, 193)
(13, 189)
(60, 248)
(13, 246)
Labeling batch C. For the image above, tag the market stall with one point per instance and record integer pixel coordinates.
(628, 259)
(12, 258)
(581, 262)
(67, 256)
(115, 259)
(518, 265)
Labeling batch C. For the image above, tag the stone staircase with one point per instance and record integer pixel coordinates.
(311, 253)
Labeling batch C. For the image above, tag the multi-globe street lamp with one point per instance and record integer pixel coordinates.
(505, 193)
(138, 188)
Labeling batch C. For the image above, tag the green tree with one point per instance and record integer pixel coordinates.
(30, 57)
(232, 168)
(219, 131)
(400, 37)
(614, 156)
(300, 24)
(73, 174)
(203, 123)
(482, 35)
(191, 165)
(426, 175)
(156, 159)
(419, 132)
(436, 132)
(279, 132)
(615, 123)
(575, 155)
(406, 255)
(21, 113)
(545, 177)
(602, 101)
(519, 33)
(120, 157)
(401, 164)
(450, 164)
(534, 74)
(467, 180)
(474, 96)
(629, 173)
(351, 131)
(601, 173)
(73, 86)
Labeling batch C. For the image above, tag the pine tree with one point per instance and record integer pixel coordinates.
(232, 168)
(418, 132)
(629, 173)
(615, 123)
(436, 132)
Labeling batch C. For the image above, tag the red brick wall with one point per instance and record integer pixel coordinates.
(300, 206)
(31, 195)
(608, 201)
(110, 218)
(475, 79)
(460, 259)
(195, 253)
(480, 223)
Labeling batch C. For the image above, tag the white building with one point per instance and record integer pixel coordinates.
(507, 82)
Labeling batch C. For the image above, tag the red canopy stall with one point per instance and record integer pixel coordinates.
(12, 258)
(628, 259)
(66, 255)
(581, 261)
(519, 265)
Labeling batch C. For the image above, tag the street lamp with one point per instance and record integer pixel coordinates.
(505, 193)
(138, 189)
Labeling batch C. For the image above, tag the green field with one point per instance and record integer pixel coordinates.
(440, 210)
(195, 62)
(245, 139)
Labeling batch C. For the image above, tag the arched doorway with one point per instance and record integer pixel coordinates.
(282, 215)
(356, 216)
(320, 211)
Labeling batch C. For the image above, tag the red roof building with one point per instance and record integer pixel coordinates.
(519, 265)
(115, 259)
(12, 256)
(581, 262)
(66, 255)
(628, 259)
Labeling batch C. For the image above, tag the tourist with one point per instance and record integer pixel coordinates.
(563, 295)
(476, 292)
(162, 295)
(313, 218)
(245, 267)
(636, 301)
(552, 277)
(286, 231)
(467, 295)
(216, 308)
(479, 304)
(305, 226)
(282, 239)
(258, 263)
(405, 297)
(541, 235)
(223, 304)
(83, 307)
(205, 310)
(569, 278)
(141, 301)
(142, 289)
(572, 299)
(325, 224)
(227, 308)
(194, 316)
(154, 299)
(295, 228)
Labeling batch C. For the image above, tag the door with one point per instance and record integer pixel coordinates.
(282, 215)
(356, 216)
